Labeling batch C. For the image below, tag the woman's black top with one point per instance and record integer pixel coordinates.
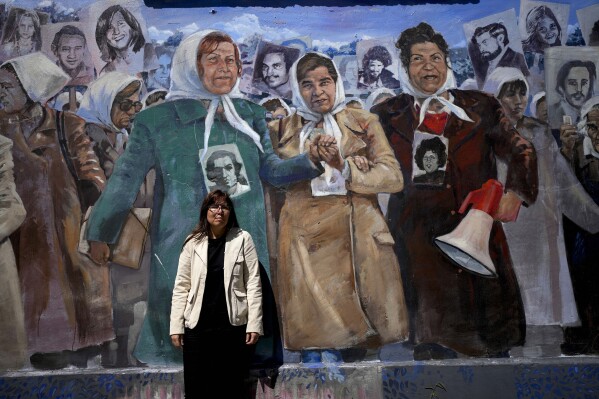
(214, 305)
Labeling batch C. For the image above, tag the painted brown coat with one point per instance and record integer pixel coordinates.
(337, 278)
(66, 296)
(473, 315)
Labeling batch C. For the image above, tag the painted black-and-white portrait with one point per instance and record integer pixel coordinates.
(429, 159)
(21, 34)
(542, 25)
(67, 45)
(271, 68)
(121, 40)
(378, 63)
(571, 80)
(247, 52)
(160, 78)
(224, 170)
(348, 68)
(588, 18)
(494, 42)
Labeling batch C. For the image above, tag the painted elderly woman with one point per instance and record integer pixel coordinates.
(338, 279)
(109, 106)
(453, 309)
(66, 296)
(203, 114)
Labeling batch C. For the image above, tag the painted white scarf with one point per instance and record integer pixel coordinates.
(186, 83)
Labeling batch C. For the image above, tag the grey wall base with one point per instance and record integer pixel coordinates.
(568, 378)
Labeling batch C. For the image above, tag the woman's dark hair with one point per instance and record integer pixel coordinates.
(137, 40)
(203, 228)
(435, 145)
(421, 33)
(155, 97)
(534, 16)
(11, 27)
(515, 85)
(379, 53)
(272, 104)
(311, 61)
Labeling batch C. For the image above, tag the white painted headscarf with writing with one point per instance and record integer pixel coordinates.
(41, 78)
(186, 83)
(426, 99)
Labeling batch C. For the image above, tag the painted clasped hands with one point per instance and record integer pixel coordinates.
(324, 148)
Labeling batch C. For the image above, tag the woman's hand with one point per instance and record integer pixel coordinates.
(568, 136)
(251, 338)
(177, 340)
(509, 206)
(99, 252)
(362, 163)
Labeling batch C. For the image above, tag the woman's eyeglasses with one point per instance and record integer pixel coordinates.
(126, 105)
(216, 208)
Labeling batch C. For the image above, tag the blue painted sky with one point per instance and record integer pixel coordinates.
(332, 26)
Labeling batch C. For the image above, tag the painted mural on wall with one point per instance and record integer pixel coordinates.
(346, 150)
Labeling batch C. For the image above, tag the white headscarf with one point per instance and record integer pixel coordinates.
(535, 100)
(331, 127)
(501, 76)
(97, 100)
(372, 97)
(41, 78)
(186, 83)
(450, 83)
(587, 144)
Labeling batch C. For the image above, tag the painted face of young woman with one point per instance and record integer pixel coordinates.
(26, 27)
(119, 32)
(318, 89)
(547, 31)
(514, 102)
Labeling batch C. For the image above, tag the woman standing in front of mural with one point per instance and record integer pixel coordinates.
(66, 296)
(338, 279)
(453, 310)
(203, 114)
(217, 328)
(22, 34)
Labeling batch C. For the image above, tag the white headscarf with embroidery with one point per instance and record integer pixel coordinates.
(186, 83)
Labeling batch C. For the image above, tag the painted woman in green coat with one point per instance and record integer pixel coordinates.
(205, 136)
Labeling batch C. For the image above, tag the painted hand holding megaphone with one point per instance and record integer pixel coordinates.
(468, 244)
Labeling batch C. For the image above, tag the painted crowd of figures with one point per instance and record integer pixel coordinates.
(343, 172)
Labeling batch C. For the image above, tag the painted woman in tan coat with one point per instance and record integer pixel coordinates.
(338, 280)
